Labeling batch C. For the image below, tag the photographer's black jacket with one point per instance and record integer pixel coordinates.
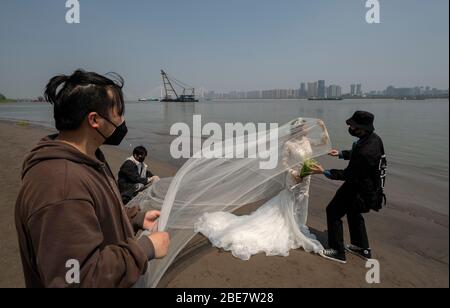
(364, 174)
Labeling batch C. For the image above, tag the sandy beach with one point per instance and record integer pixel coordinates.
(410, 242)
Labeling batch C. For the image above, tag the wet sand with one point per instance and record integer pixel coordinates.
(410, 242)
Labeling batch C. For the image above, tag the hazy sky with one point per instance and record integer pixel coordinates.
(225, 45)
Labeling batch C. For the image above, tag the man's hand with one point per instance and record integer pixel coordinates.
(150, 219)
(334, 153)
(317, 169)
(153, 179)
(161, 241)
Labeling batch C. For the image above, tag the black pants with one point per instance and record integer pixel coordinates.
(345, 203)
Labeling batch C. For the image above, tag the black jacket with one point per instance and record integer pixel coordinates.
(365, 172)
(129, 176)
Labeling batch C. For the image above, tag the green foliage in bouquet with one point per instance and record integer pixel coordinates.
(307, 166)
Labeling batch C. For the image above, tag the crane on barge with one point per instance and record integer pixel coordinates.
(171, 95)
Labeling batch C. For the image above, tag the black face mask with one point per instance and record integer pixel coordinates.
(140, 159)
(117, 136)
(354, 132)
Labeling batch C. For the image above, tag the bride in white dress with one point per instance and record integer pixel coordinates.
(205, 191)
(276, 227)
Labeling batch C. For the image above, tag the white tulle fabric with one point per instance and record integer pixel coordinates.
(204, 186)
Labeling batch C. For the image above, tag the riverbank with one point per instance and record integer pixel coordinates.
(411, 243)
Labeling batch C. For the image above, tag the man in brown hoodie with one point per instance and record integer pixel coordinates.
(69, 213)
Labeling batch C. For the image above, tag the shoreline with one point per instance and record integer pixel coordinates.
(411, 243)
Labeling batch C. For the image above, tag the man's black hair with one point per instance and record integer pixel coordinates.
(140, 150)
(74, 97)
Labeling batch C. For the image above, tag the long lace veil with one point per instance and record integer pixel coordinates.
(225, 179)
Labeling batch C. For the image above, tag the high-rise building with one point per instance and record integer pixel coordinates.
(291, 93)
(312, 90)
(303, 93)
(402, 92)
(359, 89)
(353, 90)
(321, 91)
(390, 91)
(283, 94)
(267, 94)
(271, 94)
(334, 91)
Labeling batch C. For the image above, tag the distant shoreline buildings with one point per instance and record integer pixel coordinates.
(319, 90)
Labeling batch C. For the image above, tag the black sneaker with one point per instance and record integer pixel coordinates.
(365, 254)
(334, 255)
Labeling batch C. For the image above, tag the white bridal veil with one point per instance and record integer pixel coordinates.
(205, 185)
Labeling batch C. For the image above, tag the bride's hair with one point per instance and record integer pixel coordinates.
(298, 125)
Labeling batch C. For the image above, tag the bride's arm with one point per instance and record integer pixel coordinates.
(295, 174)
(325, 139)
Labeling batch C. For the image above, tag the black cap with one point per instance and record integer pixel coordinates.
(363, 120)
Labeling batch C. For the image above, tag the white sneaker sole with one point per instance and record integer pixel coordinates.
(356, 254)
(332, 259)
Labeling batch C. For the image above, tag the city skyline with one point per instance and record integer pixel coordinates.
(311, 90)
(305, 90)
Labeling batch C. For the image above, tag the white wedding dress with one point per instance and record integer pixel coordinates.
(276, 227)
(205, 190)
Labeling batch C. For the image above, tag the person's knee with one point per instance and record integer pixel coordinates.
(138, 187)
(355, 218)
(125, 199)
(336, 211)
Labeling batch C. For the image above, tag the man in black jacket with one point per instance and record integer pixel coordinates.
(362, 191)
(134, 175)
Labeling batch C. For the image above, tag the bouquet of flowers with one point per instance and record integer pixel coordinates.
(307, 166)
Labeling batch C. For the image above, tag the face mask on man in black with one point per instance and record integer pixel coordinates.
(356, 132)
(140, 158)
(117, 136)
